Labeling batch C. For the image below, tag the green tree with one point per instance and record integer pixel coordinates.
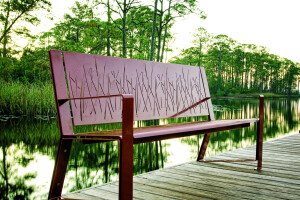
(232, 67)
(139, 32)
(123, 9)
(202, 38)
(110, 26)
(13, 11)
(79, 31)
(33, 66)
(153, 30)
(168, 15)
(219, 55)
(290, 76)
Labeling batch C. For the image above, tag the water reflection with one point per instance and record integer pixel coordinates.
(19, 145)
(91, 164)
(12, 183)
(281, 117)
(98, 163)
(28, 149)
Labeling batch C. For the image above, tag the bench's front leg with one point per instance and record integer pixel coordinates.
(203, 146)
(60, 168)
(125, 170)
(126, 150)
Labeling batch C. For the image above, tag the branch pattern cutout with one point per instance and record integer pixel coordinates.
(160, 90)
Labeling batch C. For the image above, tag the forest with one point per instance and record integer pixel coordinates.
(131, 29)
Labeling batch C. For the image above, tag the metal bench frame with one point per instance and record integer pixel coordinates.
(69, 113)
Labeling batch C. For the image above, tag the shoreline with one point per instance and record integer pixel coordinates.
(31, 100)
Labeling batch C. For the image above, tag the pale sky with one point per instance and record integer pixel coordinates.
(270, 23)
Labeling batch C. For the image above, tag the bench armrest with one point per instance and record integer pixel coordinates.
(261, 104)
(127, 111)
(190, 107)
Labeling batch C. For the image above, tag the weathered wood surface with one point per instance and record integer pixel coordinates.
(279, 178)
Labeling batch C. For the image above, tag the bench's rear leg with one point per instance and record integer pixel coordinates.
(60, 168)
(259, 145)
(126, 170)
(260, 129)
(203, 146)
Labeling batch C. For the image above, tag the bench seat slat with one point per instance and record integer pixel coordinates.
(148, 134)
(187, 129)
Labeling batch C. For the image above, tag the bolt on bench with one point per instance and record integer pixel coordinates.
(94, 89)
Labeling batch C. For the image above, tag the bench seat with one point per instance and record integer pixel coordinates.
(154, 133)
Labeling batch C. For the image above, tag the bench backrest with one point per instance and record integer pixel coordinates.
(160, 90)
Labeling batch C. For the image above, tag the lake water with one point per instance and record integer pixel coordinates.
(28, 148)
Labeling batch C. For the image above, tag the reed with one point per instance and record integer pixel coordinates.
(26, 99)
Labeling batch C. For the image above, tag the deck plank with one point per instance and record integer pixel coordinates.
(279, 178)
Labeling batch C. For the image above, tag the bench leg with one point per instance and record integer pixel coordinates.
(125, 170)
(60, 168)
(203, 146)
(259, 145)
(260, 129)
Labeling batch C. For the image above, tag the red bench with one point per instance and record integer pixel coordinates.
(94, 89)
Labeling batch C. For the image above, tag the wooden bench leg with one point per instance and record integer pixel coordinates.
(60, 168)
(203, 146)
(126, 170)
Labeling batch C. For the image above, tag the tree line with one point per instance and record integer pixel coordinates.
(139, 30)
(233, 67)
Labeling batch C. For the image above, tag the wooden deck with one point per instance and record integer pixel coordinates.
(279, 179)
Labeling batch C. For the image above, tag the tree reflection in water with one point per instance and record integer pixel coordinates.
(281, 117)
(14, 157)
(91, 164)
(98, 163)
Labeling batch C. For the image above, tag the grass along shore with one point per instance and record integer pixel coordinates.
(26, 99)
(38, 99)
